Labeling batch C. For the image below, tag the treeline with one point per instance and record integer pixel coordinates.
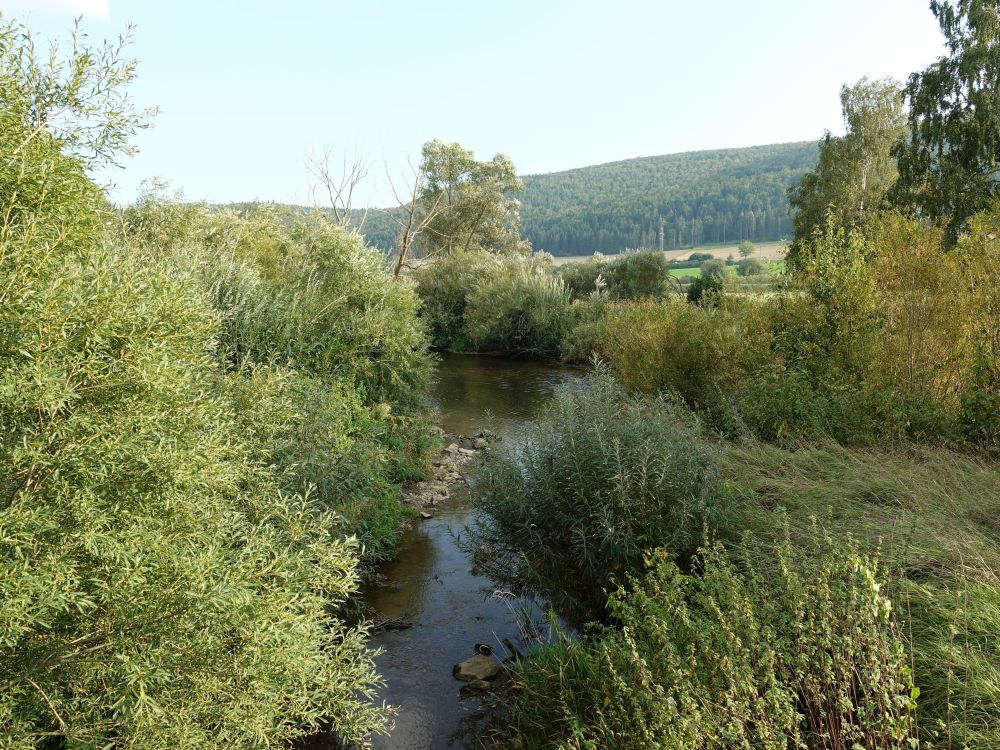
(206, 417)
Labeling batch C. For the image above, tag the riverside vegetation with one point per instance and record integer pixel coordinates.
(771, 512)
(206, 419)
(772, 516)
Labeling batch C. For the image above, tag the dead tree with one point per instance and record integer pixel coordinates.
(415, 218)
(339, 184)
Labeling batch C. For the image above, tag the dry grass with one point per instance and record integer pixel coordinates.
(764, 251)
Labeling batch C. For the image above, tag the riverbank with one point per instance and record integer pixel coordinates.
(423, 497)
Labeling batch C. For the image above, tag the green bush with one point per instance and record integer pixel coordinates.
(638, 275)
(751, 267)
(321, 439)
(707, 288)
(158, 587)
(584, 278)
(444, 285)
(810, 657)
(299, 292)
(169, 593)
(699, 353)
(601, 480)
(517, 305)
(581, 342)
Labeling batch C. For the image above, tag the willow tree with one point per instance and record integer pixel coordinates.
(855, 172)
(157, 590)
(472, 204)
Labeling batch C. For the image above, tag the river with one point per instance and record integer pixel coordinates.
(429, 583)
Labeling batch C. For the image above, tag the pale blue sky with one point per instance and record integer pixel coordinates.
(245, 88)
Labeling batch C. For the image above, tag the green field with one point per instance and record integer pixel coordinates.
(678, 273)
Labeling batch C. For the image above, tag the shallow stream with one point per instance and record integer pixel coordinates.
(430, 585)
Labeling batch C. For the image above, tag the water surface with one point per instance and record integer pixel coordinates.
(429, 583)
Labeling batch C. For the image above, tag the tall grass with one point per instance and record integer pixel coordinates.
(934, 514)
(602, 479)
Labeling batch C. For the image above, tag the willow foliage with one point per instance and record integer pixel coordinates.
(157, 588)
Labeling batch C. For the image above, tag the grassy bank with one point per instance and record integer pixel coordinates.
(767, 634)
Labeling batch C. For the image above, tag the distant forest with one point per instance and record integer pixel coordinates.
(696, 198)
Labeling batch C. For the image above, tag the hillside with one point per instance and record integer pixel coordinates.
(701, 197)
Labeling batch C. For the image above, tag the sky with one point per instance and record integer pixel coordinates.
(246, 89)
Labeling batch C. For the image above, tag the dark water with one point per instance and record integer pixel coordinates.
(430, 583)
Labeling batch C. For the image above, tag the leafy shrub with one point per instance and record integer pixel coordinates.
(699, 257)
(695, 352)
(883, 336)
(297, 291)
(157, 586)
(751, 267)
(517, 305)
(584, 278)
(980, 418)
(714, 269)
(638, 274)
(174, 594)
(580, 343)
(808, 657)
(444, 285)
(708, 286)
(321, 440)
(979, 262)
(602, 479)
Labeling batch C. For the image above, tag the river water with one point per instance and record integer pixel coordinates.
(430, 584)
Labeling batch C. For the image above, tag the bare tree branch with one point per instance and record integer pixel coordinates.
(338, 183)
(416, 219)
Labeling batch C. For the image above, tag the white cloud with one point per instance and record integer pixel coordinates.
(98, 8)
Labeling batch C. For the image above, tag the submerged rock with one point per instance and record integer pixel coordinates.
(477, 667)
(477, 686)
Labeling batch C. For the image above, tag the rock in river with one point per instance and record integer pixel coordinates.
(476, 667)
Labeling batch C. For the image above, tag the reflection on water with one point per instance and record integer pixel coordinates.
(476, 391)
(430, 584)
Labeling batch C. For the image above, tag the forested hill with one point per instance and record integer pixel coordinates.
(698, 198)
